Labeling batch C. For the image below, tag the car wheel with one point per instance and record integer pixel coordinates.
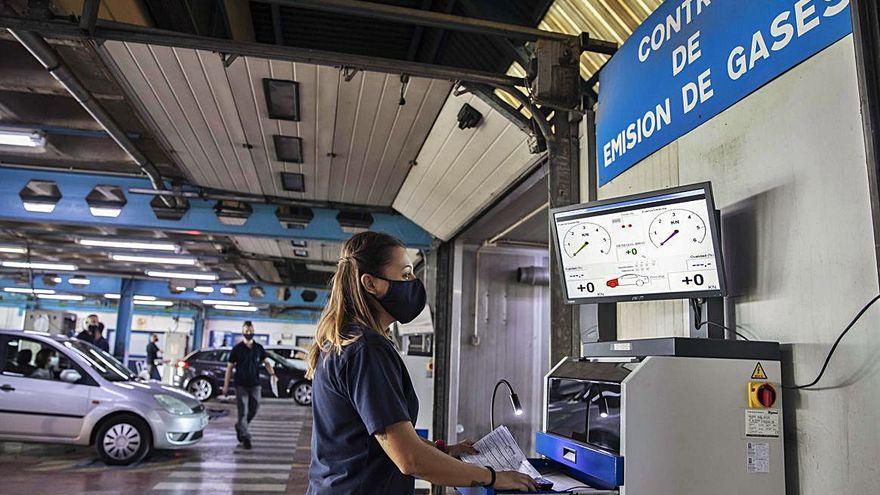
(302, 393)
(123, 440)
(201, 388)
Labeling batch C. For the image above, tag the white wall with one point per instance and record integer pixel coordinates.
(788, 169)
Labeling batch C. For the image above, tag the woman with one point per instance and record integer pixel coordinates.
(364, 404)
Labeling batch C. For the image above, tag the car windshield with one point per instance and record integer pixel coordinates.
(297, 364)
(106, 365)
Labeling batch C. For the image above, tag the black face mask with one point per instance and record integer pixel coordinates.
(404, 300)
(247, 336)
(93, 328)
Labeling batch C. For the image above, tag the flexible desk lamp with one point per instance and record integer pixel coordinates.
(514, 401)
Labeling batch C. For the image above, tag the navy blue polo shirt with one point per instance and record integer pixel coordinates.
(355, 395)
(247, 361)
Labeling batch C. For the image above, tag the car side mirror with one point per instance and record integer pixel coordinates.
(70, 376)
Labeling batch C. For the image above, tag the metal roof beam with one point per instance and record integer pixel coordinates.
(108, 30)
(424, 18)
(72, 209)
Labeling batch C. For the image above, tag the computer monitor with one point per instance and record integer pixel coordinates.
(658, 245)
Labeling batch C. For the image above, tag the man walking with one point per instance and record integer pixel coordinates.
(246, 357)
(153, 356)
(88, 332)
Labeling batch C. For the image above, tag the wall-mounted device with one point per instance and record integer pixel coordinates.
(657, 245)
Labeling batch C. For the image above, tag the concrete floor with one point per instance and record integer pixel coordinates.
(278, 462)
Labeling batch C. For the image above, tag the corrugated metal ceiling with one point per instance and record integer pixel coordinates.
(358, 143)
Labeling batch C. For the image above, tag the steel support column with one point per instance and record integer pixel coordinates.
(443, 321)
(866, 32)
(563, 187)
(124, 312)
(198, 330)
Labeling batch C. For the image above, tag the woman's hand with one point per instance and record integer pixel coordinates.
(512, 480)
(465, 447)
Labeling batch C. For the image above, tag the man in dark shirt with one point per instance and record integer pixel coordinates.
(153, 356)
(100, 341)
(88, 332)
(246, 357)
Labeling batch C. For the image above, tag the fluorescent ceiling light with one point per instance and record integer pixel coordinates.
(180, 289)
(236, 308)
(204, 289)
(112, 296)
(236, 281)
(36, 207)
(164, 260)
(189, 275)
(79, 281)
(62, 297)
(30, 139)
(227, 303)
(154, 303)
(227, 290)
(145, 245)
(23, 290)
(39, 265)
(55, 280)
(98, 211)
(13, 249)
(138, 297)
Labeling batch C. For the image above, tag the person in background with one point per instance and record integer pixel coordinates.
(246, 357)
(45, 360)
(100, 341)
(88, 332)
(153, 357)
(23, 362)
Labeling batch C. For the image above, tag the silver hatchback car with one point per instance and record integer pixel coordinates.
(59, 390)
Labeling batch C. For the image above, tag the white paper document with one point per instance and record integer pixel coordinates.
(499, 450)
(273, 381)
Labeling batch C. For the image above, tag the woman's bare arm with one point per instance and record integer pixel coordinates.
(414, 457)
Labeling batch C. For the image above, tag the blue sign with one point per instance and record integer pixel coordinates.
(691, 59)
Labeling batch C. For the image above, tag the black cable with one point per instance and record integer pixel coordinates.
(834, 346)
(718, 325)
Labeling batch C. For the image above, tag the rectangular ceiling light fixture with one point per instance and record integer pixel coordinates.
(13, 249)
(79, 281)
(153, 303)
(139, 297)
(204, 289)
(288, 148)
(282, 99)
(183, 275)
(28, 139)
(300, 253)
(39, 265)
(161, 260)
(61, 297)
(144, 245)
(24, 290)
(299, 244)
(227, 307)
(112, 296)
(228, 303)
(294, 182)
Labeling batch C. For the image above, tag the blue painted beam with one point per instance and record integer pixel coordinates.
(137, 214)
(101, 285)
(124, 312)
(198, 330)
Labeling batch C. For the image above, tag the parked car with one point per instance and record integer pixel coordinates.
(60, 390)
(201, 373)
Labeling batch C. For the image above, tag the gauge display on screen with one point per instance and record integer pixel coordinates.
(651, 246)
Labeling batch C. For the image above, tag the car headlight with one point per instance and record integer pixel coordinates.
(173, 404)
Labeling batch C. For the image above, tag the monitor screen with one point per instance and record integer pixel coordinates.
(657, 245)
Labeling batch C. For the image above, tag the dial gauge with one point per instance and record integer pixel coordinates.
(677, 228)
(587, 240)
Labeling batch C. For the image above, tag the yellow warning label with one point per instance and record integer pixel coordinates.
(759, 374)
